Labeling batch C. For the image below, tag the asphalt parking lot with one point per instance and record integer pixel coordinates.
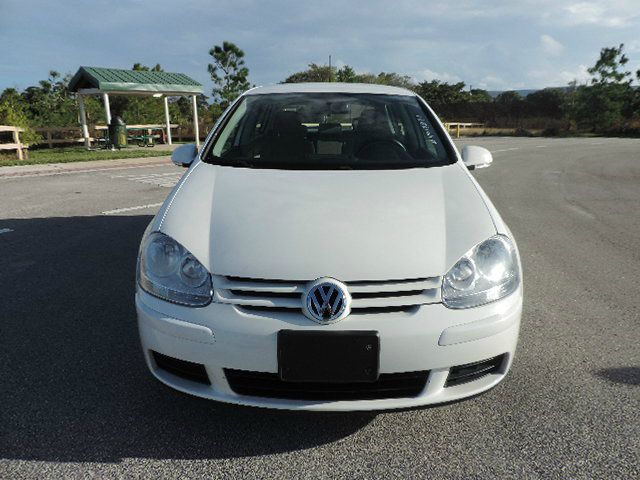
(76, 399)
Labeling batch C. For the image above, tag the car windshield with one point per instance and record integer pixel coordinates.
(319, 131)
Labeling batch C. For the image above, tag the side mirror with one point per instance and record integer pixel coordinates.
(476, 157)
(184, 155)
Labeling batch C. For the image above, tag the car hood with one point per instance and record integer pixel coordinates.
(348, 224)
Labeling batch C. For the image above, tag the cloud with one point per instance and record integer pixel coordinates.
(589, 13)
(551, 77)
(580, 75)
(551, 46)
(492, 44)
(633, 47)
(494, 82)
(427, 74)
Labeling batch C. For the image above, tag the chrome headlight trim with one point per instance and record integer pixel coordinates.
(170, 272)
(488, 272)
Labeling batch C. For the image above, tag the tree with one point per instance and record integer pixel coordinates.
(609, 67)
(547, 102)
(318, 73)
(346, 74)
(596, 109)
(478, 95)
(510, 104)
(442, 93)
(228, 72)
(50, 103)
(143, 68)
(610, 101)
(13, 111)
(390, 78)
(509, 98)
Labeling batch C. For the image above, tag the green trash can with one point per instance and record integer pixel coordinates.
(117, 133)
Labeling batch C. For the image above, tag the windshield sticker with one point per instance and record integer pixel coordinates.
(426, 128)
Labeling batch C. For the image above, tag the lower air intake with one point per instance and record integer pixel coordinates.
(473, 371)
(181, 368)
(269, 385)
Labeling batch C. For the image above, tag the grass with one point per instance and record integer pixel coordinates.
(76, 154)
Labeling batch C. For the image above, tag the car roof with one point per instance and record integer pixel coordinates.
(330, 87)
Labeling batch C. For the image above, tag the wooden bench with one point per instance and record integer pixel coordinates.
(16, 145)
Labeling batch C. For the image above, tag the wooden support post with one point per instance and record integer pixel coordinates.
(195, 120)
(49, 142)
(83, 121)
(16, 140)
(166, 119)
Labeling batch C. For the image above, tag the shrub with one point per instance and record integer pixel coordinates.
(13, 112)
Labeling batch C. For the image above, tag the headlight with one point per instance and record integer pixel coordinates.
(168, 271)
(487, 272)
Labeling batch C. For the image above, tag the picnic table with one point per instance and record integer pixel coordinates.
(143, 134)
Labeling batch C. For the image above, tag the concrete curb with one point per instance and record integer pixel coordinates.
(81, 167)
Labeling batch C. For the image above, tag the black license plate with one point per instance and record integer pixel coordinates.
(331, 357)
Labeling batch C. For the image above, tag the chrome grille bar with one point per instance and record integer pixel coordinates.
(369, 296)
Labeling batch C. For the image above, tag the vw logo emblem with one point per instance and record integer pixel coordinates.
(327, 300)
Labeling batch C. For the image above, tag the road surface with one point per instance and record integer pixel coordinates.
(76, 398)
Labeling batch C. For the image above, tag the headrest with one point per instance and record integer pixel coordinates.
(372, 120)
(288, 122)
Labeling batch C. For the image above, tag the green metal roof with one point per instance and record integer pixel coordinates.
(131, 81)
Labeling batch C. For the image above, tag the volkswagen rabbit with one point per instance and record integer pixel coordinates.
(328, 249)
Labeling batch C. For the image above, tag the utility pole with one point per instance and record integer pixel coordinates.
(330, 71)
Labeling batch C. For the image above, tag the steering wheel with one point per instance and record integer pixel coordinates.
(393, 142)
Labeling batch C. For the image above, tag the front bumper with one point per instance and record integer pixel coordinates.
(433, 338)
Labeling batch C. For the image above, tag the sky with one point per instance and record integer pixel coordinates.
(490, 44)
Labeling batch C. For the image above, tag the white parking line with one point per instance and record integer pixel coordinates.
(542, 146)
(5, 230)
(131, 209)
(167, 180)
(506, 149)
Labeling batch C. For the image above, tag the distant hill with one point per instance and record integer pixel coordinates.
(523, 93)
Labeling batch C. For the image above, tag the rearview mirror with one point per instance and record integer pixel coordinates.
(184, 155)
(476, 157)
(340, 107)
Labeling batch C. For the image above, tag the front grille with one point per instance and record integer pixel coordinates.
(473, 371)
(181, 368)
(368, 297)
(269, 385)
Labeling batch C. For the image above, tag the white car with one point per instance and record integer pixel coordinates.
(328, 249)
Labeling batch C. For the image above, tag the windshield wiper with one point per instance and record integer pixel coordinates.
(242, 163)
(229, 162)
